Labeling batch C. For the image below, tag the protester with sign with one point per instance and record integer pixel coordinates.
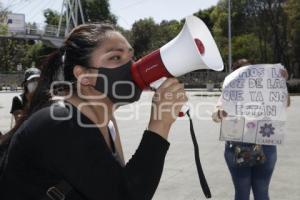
(71, 149)
(252, 118)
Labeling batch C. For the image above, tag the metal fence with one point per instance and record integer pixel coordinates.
(45, 30)
(201, 78)
(11, 81)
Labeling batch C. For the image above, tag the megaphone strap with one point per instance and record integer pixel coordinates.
(203, 182)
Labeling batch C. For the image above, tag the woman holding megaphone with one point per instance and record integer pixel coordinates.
(71, 148)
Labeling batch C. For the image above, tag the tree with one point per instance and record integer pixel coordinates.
(292, 9)
(12, 52)
(147, 36)
(165, 32)
(205, 15)
(52, 17)
(3, 29)
(219, 28)
(245, 46)
(142, 34)
(98, 11)
(33, 54)
(264, 20)
(3, 26)
(270, 23)
(93, 10)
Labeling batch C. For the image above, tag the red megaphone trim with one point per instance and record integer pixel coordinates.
(149, 69)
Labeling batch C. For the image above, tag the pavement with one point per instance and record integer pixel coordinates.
(180, 180)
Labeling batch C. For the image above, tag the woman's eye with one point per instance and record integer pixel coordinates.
(115, 58)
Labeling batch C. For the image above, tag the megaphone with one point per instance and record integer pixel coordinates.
(192, 49)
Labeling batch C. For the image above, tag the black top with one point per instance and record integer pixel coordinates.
(44, 151)
(18, 103)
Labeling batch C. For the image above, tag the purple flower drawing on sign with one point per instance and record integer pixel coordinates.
(267, 130)
(251, 125)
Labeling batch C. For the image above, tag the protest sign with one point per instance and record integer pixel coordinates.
(255, 98)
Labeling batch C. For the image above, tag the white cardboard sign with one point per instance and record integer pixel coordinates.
(255, 98)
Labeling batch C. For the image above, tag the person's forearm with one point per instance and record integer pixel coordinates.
(144, 169)
(160, 128)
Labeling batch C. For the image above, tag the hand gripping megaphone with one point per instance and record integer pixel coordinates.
(192, 49)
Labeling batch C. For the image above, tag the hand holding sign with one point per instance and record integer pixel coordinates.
(284, 73)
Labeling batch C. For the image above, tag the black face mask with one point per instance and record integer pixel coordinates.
(119, 86)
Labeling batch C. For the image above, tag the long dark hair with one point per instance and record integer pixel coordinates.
(77, 49)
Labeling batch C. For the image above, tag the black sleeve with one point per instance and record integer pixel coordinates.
(144, 170)
(84, 160)
(16, 105)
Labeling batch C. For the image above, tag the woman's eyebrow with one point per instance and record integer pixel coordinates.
(119, 49)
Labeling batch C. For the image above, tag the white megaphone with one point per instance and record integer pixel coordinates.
(192, 49)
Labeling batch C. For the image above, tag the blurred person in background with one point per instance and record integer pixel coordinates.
(21, 102)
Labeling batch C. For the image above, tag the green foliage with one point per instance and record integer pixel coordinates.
(264, 22)
(245, 46)
(142, 36)
(205, 15)
(292, 9)
(98, 11)
(219, 17)
(12, 52)
(33, 54)
(3, 26)
(3, 29)
(147, 36)
(263, 31)
(165, 32)
(52, 17)
(52, 20)
(268, 21)
(22, 51)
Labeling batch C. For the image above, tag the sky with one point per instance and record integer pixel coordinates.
(127, 11)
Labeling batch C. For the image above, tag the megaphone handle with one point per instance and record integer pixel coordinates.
(155, 85)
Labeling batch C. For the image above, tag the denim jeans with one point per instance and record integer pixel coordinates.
(257, 177)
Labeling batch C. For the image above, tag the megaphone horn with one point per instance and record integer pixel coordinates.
(192, 49)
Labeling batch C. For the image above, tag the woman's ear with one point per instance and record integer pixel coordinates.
(80, 74)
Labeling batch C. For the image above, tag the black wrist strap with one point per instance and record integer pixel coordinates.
(203, 182)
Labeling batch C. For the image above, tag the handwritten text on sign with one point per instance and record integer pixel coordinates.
(255, 98)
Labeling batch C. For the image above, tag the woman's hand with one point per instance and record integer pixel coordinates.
(218, 115)
(284, 73)
(166, 105)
